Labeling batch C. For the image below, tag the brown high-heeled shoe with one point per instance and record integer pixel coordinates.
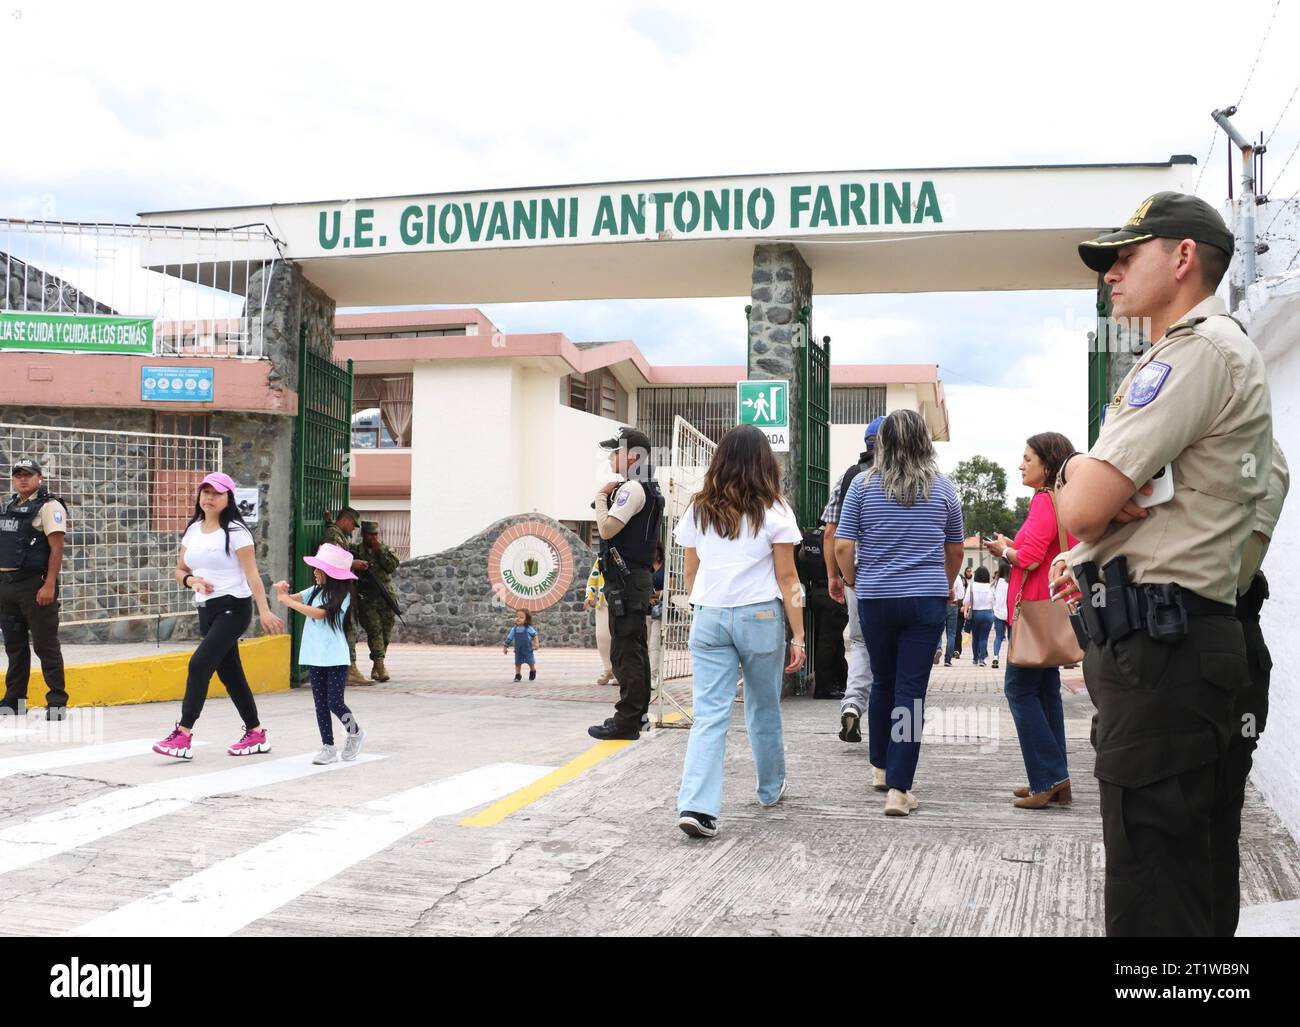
(1063, 798)
(1039, 800)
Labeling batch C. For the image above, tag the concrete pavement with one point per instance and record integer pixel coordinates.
(134, 843)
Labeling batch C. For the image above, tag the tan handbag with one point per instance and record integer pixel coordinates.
(1041, 635)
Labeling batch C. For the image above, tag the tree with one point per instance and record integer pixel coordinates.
(982, 488)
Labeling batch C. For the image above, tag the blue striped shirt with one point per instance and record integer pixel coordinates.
(900, 548)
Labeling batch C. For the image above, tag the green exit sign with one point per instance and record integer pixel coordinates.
(766, 405)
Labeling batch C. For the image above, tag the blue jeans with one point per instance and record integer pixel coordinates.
(981, 623)
(722, 639)
(999, 633)
(901, 636)
(950, 620)
(1035, 699)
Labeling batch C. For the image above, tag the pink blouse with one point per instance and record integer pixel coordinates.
(1038, 542)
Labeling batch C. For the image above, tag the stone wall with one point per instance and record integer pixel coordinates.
(781, 286)
(27, 287)
(291, 301)
(447, 598)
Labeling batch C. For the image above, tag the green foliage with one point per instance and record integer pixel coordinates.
(982, 488)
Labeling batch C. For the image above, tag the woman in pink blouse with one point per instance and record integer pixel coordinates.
(1034, 694)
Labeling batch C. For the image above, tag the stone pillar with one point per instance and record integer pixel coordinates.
(781, 287)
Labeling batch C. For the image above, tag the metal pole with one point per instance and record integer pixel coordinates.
(1247, 201)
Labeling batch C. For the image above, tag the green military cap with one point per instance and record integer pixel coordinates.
(370, 527)
(1166, 215)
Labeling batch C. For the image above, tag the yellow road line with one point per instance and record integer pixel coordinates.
(526, 796)
(529, 794)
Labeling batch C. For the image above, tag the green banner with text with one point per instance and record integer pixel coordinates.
(83, 333)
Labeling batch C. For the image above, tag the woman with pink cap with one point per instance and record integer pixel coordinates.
(324, 648)
(217, 562)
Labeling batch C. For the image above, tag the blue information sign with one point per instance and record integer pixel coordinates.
(176, 384)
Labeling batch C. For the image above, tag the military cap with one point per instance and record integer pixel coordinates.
(1166, 215)
(370, 527)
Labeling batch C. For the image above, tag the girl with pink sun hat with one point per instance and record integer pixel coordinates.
(324, 648)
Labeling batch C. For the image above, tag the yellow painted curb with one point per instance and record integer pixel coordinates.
(162, 678)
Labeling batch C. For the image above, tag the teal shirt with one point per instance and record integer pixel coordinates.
(322, 646)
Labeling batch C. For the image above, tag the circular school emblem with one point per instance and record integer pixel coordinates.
(530, 566)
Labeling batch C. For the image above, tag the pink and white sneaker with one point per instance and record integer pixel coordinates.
(252, 742)
(177, 745)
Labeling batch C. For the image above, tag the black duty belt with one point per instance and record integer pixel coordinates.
(19, 575)
(1195, 605)
(1162, 611)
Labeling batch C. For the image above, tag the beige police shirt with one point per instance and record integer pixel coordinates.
(1267, 513)
(1197, 398)
(51, 518)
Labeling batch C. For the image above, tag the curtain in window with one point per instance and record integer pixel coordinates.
(395, 407)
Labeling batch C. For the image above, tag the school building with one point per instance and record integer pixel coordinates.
(456, 424)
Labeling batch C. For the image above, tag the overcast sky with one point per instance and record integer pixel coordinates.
(117, 108)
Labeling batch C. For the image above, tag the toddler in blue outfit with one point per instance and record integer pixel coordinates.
(523, 634)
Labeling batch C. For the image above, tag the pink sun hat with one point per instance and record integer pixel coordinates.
(333, 560)
(220, 481)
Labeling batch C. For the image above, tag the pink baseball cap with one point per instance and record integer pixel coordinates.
(220, 481)
(333, 560)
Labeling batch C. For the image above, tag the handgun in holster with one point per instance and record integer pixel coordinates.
(1089, 616)
(1166, 614)
(614, 568)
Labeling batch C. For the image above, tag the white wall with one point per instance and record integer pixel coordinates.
(1275, 327)
(464, 465)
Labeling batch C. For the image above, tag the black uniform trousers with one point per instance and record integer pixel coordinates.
(1248, 725)
(1162, 731)
(830, 669)
(25, 622)
(629, 650)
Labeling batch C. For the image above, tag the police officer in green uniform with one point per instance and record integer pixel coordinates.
(375, 615)
(338, 531)
(1252, 702)
(628, 517)
(1156, 585)
(33, 525)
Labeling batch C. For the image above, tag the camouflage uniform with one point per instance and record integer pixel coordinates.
(374, 615)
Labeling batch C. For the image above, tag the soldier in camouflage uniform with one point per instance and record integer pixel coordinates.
(338, 531)
(376, 616)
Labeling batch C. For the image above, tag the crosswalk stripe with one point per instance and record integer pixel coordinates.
(53, 833)
(228, 895)
(76, 756)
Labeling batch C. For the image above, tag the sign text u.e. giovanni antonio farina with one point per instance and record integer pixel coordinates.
(600, 214)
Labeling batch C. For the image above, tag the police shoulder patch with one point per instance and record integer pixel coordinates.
(1147, 383)
(622, 496)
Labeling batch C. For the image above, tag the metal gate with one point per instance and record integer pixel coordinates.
(815, 416)
(1099, 345)
(321, 455)
(692, 453)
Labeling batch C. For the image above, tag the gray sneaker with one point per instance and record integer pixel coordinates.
(353, 746)
(328, 754)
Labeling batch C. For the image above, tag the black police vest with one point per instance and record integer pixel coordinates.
(636, 540)
(21, 545)
(812, 555)
(847, 479)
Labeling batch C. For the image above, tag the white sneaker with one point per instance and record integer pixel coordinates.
(899, 803)
(352, 748)
(328, 754)
(878, 779)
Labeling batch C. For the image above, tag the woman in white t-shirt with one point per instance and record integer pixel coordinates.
(1000, 609)
(978, 608)
(217, 562)
(738, 535)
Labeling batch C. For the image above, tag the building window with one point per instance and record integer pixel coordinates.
(598, 392)
(857, 404)
(381, 411)
(394, 529)
(710, 410)
(413, 333)
(585, 530)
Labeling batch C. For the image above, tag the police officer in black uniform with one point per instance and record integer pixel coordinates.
(829, 616)
(32, 528)
(628, 517)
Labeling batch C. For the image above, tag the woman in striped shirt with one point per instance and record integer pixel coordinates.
(899, 540)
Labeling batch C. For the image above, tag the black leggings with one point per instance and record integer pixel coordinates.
(221, 621)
